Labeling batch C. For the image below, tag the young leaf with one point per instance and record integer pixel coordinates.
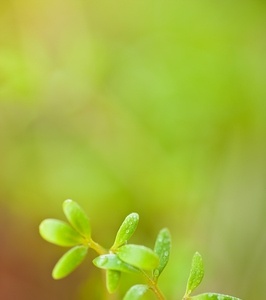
(213, 296)
(77, 217)
(138, 256)
(136, 292)
(196, 274)
(59, 233)
(126, 230)
(69, 261)
(112, 280)
(113, 262)
(162, 249)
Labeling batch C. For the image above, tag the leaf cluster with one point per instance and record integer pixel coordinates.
(121, 257)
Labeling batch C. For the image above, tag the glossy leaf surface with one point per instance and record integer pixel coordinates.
(113, 262)
(213, 296)
(112, 280)
(138, 256)
(59, 233)
(126, 230)
(162, 249)
(196, 274)
(136, 292)
(77, 217)
(69, 261)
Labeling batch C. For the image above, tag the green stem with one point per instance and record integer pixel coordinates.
(157, 292)
(153, 286)
(97, 247)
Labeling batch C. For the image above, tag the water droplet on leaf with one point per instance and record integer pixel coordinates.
(103, 260)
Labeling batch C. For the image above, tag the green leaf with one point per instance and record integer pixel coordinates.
(69, 261)
(196, 274)
(77, 217)
(126, 230)
(112, 280)
(59, 233)
(213, 296)
(113, 262)
(162, 249)
(136, 292)
(138, 256)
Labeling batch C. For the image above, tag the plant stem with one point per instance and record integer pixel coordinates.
(153, 286)
(97, 247)
(157, 292)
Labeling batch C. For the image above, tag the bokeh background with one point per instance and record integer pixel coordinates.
(149, 106)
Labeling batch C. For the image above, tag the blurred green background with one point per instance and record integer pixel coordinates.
(157, 107)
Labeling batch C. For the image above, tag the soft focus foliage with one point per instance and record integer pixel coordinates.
(149, 106)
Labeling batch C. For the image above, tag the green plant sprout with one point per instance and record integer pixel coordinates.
(121, 257)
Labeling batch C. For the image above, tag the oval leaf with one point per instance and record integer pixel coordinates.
(112, 280)
(138, 256)
(196, 274)
(77, 217)
(162, 249)
(213, 296)
(136, 292)
(126, 230)
(59, 233)
(69, 261)
(113, 262)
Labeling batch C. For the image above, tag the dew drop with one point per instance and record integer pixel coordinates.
(156, 273)
(103, 260)
(166, 253)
